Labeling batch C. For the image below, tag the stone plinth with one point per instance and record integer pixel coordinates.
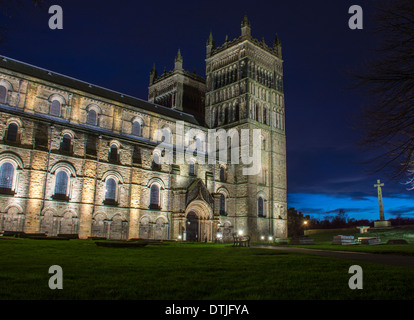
(382, 224)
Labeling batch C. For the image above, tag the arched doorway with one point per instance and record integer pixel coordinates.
(192, 227)
(200, 225)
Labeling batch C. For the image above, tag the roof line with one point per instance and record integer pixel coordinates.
(4, 58)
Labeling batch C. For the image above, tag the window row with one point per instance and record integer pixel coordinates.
(63, 179)
(42, 132)
(57, 103)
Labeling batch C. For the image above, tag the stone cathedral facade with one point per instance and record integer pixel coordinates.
(78, 159)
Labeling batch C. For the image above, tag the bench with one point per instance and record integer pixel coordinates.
(241, 241)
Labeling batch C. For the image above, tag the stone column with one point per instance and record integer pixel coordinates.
(133, 223)
(35, 191)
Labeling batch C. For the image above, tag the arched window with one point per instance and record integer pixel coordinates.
(156, 161)
(6, 178)
(92, 118)
(66, 144)
(198, 144)
(113, 154)
(191, 168)
(154, 197)
(110, 194)
(55, 108)
(222, 174)
(12, 132)
(223, 205)
(136, 128)
(61, 185)
(3, 94)
(260, 207)
(166, 135)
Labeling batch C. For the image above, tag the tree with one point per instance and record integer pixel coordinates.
(388, 122)
(295, 222)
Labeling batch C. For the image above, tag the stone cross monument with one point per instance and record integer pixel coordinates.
(381, 222)
(380, 205)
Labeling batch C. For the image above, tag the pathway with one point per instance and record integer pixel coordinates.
(389, 259)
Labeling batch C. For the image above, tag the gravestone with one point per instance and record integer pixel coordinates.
(343, 240)
(369, 240)
(302, 240)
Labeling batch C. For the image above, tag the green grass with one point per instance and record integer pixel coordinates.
(323, 241)
(187, 271)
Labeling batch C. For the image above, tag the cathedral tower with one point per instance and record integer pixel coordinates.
(178, 89)
(244, 90)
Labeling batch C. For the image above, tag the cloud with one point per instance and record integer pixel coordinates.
(401, 211)
(311, 211)
(345, 210)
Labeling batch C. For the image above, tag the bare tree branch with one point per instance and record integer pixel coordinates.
(387, 123)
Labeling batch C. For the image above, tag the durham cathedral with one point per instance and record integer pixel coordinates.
(78, 159)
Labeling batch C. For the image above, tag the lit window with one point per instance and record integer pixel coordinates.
(6, 178)
(154, 196)
(110, 195)
(260, 207)
(61, 185)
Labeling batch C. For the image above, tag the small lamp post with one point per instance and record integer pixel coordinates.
(305, 223)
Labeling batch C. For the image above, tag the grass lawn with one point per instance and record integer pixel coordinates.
(187, 271)
(323, 240)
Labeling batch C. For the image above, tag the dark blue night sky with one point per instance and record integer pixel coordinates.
(115, 43)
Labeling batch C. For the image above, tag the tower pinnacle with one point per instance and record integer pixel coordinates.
(178, 61)
(210, 45)
(245, 27)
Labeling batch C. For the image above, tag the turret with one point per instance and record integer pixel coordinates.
(153, 74)
(277, 46)
(210, 45)
(178, 61)
(245, 27)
